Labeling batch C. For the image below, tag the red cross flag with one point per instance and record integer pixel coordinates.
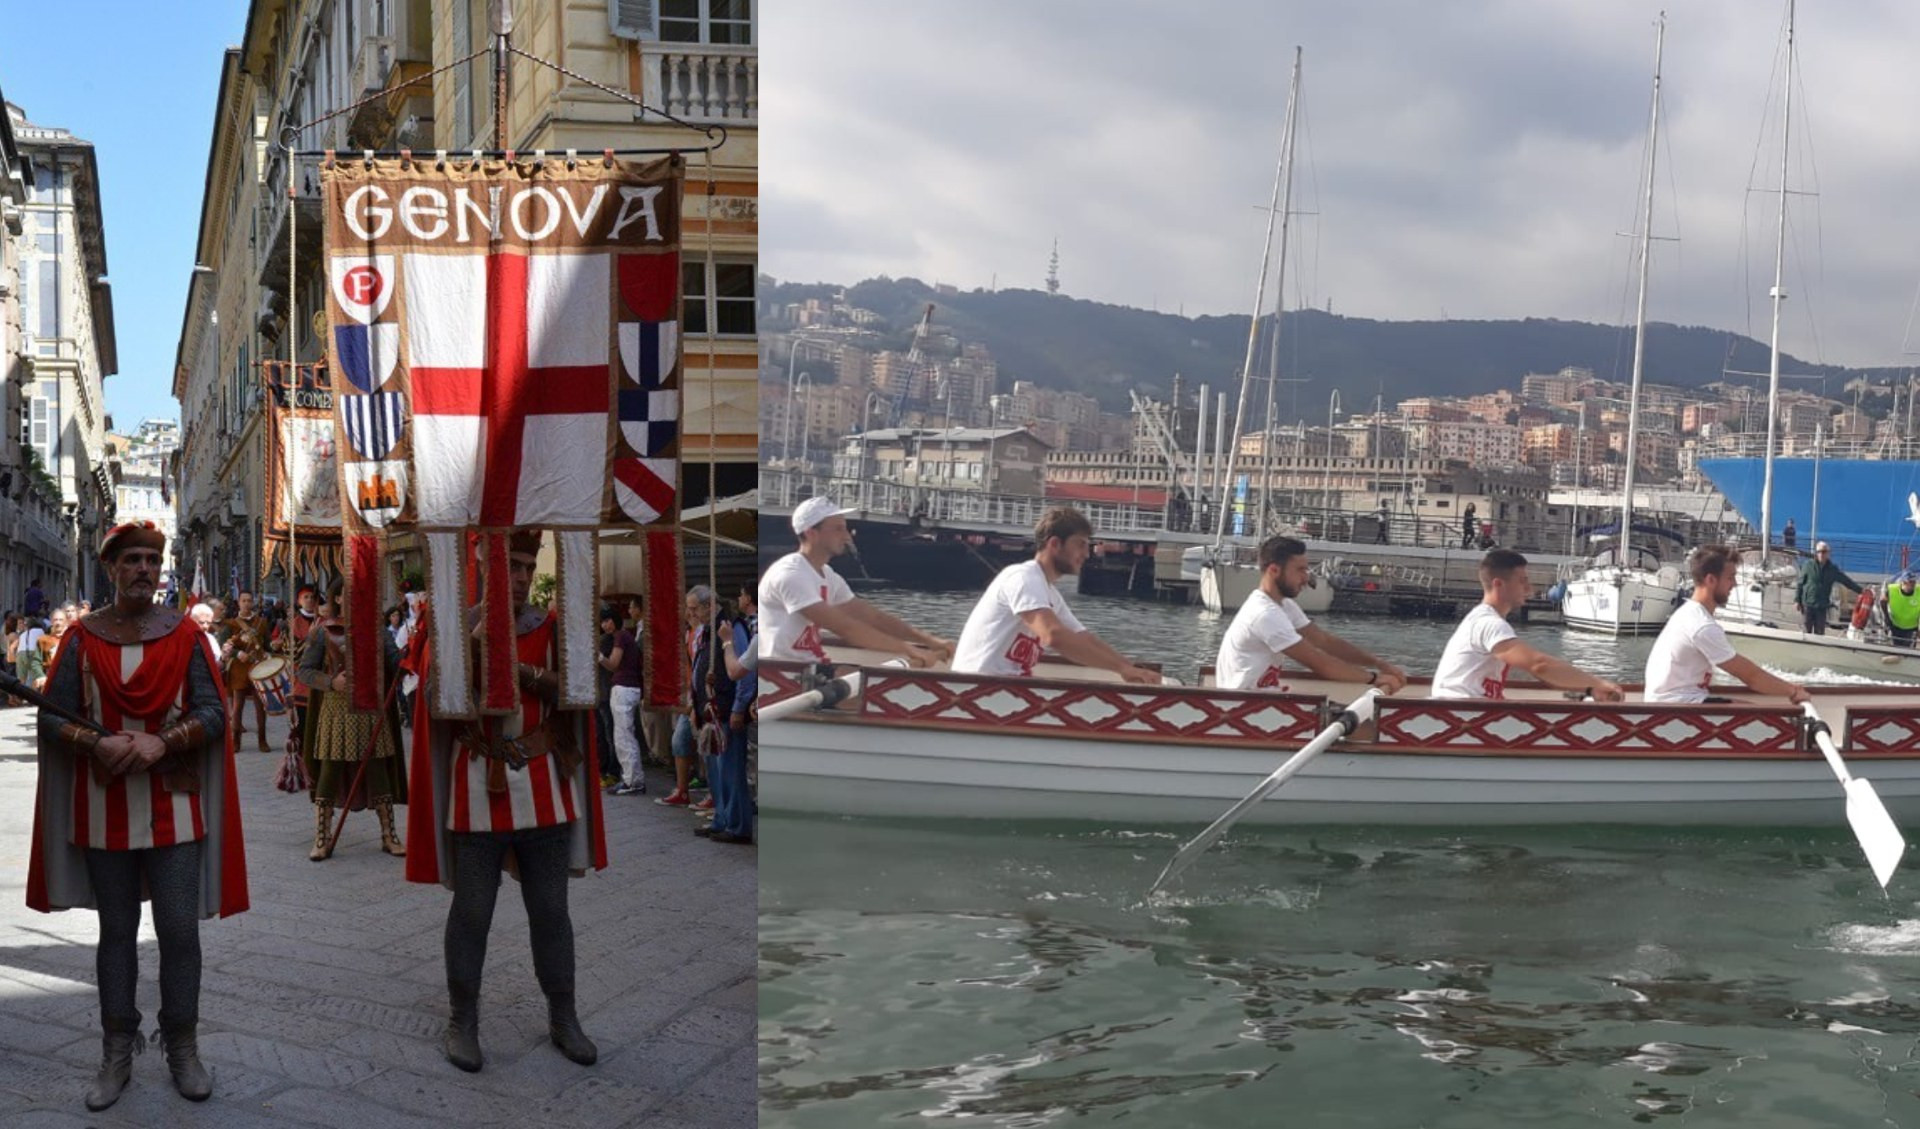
(487, 371)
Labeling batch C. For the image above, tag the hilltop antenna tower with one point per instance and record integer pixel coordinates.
(1053, 269)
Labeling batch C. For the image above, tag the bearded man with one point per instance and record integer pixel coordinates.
(139, 805)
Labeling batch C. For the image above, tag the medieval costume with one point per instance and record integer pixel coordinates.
(336, 737)
(515, 793)
(245, 639)
(113, 828)
(300, 626)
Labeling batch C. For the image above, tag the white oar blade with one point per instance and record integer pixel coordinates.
(1359, 711)
(1875, 829)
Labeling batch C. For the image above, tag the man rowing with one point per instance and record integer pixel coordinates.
(1270, 624)
(1484, 646)
(1022, 615)
(801, 594)
(1680, 667)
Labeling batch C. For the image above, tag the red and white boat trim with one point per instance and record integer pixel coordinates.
(939, 744)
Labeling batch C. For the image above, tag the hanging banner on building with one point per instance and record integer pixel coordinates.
(505, 345)
(303, 496)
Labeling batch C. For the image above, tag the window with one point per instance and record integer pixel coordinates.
(48, 302)
(706, 21)
(732, 301)
(43, 423)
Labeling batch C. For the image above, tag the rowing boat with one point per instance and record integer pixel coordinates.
(940, 744)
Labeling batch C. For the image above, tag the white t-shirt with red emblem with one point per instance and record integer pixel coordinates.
(1468, 667)
(995, 640)
(1680, 666)
(1250, 653)
(790, 586)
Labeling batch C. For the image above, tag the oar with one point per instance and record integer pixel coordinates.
(1871, 824)
(1349, 720)
(825, 696)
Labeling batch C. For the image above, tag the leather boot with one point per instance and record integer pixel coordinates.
(322, 831)
(389, 841)
(183, 1061)
(462, 1040)
(563, 1027)
(121, 1043)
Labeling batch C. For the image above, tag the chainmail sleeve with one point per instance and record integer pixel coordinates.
(312, 672)
(203, 697)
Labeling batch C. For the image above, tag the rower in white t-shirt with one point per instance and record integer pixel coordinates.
(1484, 647)
(1680, 666)
(801, 595)
(1023, 615)
(1270, 624)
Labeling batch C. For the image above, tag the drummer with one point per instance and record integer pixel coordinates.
(246, 635)
(801, 594)
(1680, 666)
(1484, 646)
(1270, 624)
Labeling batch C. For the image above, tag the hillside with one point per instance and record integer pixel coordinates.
(1104, 350)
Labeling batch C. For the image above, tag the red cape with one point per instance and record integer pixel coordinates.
(429, 843)
(56, 869)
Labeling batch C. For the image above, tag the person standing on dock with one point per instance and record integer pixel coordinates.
(1022, 614)
(801, 594)
(1484, 646)
(1680, 666)
(1270, 624)
(1813, 594)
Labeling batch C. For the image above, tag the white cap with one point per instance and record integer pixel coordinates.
(815, 510)
(1822, 547)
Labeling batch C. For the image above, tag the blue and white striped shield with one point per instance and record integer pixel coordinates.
(374, 422)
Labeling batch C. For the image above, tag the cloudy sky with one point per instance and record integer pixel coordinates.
(1463, 159)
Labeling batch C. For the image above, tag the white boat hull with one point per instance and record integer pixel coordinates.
(923, 745)
(1618, 602)
(1797, 651)
(822, 768)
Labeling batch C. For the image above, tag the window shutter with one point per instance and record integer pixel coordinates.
(634, 19)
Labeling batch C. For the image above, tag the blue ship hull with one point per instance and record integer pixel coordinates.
(1864, 509)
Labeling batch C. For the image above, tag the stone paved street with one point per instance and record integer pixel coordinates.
(324, 1003)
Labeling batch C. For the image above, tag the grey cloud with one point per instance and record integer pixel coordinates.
(1466, 157)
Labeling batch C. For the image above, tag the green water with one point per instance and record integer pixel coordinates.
(1012, 975)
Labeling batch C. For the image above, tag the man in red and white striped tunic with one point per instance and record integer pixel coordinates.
(524, 786)
(143, 796)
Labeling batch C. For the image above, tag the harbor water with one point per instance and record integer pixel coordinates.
(1015, 974)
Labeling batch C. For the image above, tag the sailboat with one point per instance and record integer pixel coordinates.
(1622, 592)
(1230, 571)
(1760, 619)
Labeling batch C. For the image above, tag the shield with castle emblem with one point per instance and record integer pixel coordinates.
(377, 490)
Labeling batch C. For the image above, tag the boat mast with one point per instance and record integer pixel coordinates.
(1253, 337)
(1279, 297)
(1779, 295)
(1624, 558)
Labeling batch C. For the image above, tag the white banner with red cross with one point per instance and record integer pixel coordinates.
(505, 345)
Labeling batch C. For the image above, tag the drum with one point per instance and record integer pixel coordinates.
(274, 683)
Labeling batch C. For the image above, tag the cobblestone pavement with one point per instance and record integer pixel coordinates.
(324, 1003)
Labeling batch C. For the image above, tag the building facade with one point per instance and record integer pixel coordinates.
(59, 351)
(350, 75)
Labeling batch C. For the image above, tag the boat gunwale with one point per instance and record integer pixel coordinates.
(1469, 717)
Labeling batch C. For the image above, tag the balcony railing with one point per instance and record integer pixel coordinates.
(704, 82)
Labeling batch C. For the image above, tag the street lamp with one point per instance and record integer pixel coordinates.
(866, 424)
(786, 433)
(1326, 485)
(806, 416)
